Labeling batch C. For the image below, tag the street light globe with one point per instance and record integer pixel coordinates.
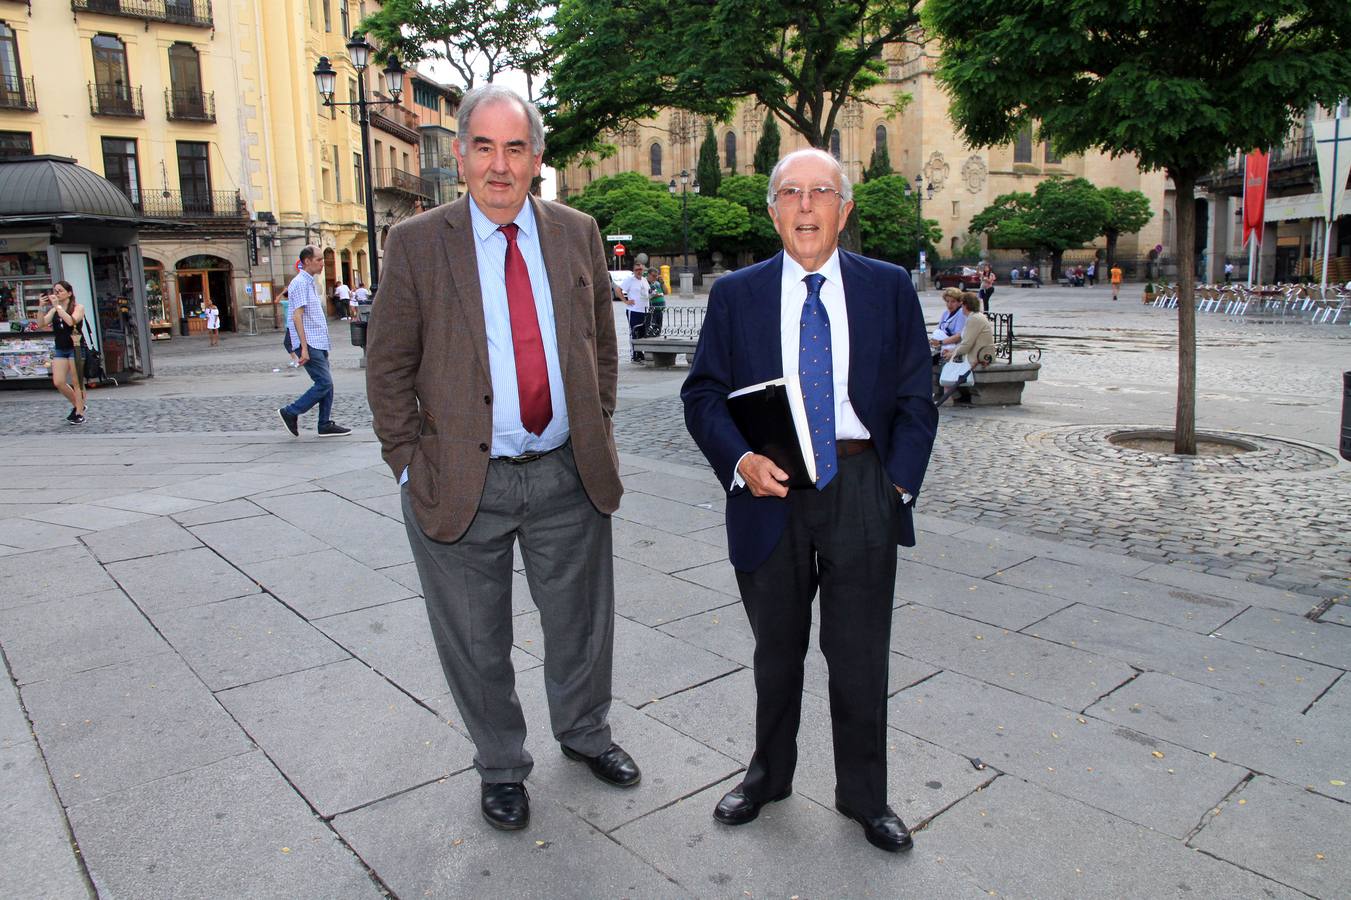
(324, 78)
(359, 50)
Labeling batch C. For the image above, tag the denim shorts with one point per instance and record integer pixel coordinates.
(58, 353)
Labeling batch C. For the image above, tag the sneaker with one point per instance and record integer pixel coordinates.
(333, 429)
(78, 420)
(73, 414)
(290, 422)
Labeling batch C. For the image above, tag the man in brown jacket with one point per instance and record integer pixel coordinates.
(491, 374)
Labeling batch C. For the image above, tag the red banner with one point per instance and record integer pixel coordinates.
(1254, 195)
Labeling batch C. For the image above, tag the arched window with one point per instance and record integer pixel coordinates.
(729, 150)
(110, 73)
(11, 75)
(835, 143)
(655, 155)
(1022, 150)
(880, 139)
(185, 80)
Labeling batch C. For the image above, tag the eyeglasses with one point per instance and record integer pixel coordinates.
(794, 194)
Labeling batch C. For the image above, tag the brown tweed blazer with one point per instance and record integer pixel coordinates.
(427, 376)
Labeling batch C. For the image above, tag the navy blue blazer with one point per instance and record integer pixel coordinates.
(890, 384)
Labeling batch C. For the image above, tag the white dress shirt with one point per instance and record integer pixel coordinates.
(636, 289)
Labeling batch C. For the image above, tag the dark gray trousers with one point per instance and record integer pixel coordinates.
(567, 549)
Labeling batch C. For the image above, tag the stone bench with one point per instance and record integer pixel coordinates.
(1025, 283)
(662, 351)
(998, 384)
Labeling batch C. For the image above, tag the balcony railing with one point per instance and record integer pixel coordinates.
(189, 106)
(1289, 155)
(404, 182)
(177, 12)
(116, 100)
(17, 93)
(216, 205)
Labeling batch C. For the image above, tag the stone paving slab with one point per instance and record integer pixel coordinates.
(1335, 704)
(264, 538)
(157, 535)
(1048, 671)
(324, 583)
(972, 598)
(1307, 751)
(690, 491)
(230, 829)
(796, 848)
(179, 579)
(89, 517)
(668, 515)
(1293, 635)
(1229, 588)
(30, 534)
(1290, 835)
(432, 842)
(981, 538)
(648, 596)
(1107, 766)
(361, 484)
(228, 486)
(953, 554)
(727, 633)
(1201, 613)
(648, 664)
(661, 551)
(368, 537)
(72, 634)
(32, 826)
(388, 505)
(247, 639)
(344, 736)
(1284, 682)
(210, 513)
(715, 536)
(1017, 839)
(42, 575)
(717, 576)
(112, 728)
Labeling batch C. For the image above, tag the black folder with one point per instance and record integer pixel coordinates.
(769, 420)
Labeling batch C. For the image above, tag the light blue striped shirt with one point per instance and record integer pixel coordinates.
(303, 292)
(509, 436)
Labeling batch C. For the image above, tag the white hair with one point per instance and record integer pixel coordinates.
(496, 93)
(846, 189)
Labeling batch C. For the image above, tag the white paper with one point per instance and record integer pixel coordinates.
(799, 412)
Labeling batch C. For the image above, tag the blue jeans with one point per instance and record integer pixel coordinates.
(321, 392)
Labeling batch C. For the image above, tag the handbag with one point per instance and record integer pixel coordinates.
(92, 368)
(956, 371)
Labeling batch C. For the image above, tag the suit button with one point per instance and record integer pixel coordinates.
(483, 447)
(487, 399)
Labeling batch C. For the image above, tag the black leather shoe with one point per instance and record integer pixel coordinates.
(505, 805)
(613, 766)
(886, 831)
(735, 808)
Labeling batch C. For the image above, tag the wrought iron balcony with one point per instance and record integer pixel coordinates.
(189, 106)
(17, 93)
(116, 100)
(1286, 162)
(203, 204)
(403, 182)
(178, 12)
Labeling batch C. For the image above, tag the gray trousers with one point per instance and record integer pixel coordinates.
(567, 549)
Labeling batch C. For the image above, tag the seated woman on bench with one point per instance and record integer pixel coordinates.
(976, 347)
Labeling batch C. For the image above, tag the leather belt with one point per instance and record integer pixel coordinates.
(852, 447)
(527, 457)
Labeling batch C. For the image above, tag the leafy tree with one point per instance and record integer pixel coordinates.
(474, 37)
(767, 148)
(1180, 84)
(708, 172)
(1128, 212)
(629, 203)
(715, 223)
(879, 164)
(654, 229)
(888, 221)
(1062, 213)
(749, 191)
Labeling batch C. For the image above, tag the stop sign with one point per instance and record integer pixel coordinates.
(619, 249)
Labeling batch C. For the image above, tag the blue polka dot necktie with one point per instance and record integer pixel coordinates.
(818, 385)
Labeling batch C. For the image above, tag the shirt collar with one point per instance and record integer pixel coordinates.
(793, 273)
(485, 228)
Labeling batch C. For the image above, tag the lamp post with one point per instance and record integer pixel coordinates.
(684, 212)
(919, 217)
(325, 78)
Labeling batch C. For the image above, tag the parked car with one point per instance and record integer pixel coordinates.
(616, 279)
(964, 277)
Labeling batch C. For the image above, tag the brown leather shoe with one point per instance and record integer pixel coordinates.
(735, 808)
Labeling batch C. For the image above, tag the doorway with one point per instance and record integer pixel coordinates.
(199, 277)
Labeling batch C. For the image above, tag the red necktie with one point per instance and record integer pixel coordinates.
(532, 374)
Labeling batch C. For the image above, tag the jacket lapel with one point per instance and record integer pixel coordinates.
(461, 270)
(763, 306)
(864, 346)
(553, 248)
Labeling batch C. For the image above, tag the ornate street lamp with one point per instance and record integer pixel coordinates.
(919, 219)
(684, 210)
(325, 80)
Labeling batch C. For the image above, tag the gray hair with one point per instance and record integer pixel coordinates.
(496, 93)
(846, 189)
(310, 251)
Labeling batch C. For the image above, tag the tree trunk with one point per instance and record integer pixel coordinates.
(1111, 249)
(1184, 190)
(1056, 257)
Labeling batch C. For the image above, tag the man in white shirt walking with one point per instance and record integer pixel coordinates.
(636, 293)
(309, 336)
(343, 294)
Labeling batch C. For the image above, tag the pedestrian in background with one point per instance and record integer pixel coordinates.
(1091, 274)
(636, 295)
(656, 302)
(342, 298)
(212, 313)
(987, 282)
(1116, 281)
(64, 317)
(309, 335)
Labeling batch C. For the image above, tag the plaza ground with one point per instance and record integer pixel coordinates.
(1113, 674)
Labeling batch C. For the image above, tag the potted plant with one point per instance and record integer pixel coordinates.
(1149, 293)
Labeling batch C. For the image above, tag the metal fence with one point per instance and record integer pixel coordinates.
(17, 93)
(189, 106)
(116, 100)
(221, 205)
(178, 12)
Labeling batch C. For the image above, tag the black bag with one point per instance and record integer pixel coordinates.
(92, 359)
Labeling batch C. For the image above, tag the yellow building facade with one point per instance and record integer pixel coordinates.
(920, 140)
(206, 114)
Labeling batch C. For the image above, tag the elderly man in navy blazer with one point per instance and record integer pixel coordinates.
(850, 336)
